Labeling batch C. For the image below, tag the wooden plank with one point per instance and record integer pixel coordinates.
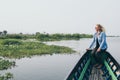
(96, 74)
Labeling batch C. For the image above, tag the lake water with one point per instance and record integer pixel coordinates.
(57, 66)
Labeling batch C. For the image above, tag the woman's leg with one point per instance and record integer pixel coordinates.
(93, 52)
(95, 63)
(98, 56)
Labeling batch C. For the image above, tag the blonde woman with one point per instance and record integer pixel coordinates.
(99, 41)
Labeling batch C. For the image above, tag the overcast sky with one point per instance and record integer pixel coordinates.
(59, 16)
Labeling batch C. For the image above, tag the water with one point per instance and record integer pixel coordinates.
(57, 66)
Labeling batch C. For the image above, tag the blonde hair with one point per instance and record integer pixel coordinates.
(102, 29)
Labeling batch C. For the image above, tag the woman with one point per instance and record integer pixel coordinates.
(99, 40)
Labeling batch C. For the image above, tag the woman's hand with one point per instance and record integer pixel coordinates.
(88, 49)
(98, 50)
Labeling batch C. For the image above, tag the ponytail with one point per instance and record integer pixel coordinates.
(103, 29)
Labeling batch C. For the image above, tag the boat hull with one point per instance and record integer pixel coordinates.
(83, 69)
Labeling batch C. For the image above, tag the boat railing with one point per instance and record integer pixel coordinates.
(82, 69)
(112, 68)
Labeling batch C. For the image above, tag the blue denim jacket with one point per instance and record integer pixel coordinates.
(101, 40)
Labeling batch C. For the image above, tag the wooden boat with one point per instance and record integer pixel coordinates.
(85, 70)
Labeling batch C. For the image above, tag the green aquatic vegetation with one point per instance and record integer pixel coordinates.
(12, 49)
(6, 76)
(11, 42)
(5, 64)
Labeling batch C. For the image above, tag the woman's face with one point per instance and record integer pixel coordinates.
(97, 28)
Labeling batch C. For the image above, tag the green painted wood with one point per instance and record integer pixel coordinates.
(84, 69)
(71, 76)
(110, 71)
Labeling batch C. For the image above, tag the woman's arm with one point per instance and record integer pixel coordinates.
(103, 40)
(92, 42)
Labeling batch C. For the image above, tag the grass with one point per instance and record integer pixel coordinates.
(15, 48)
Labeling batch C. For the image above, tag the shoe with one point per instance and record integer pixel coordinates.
(99, 67)
(96, 65)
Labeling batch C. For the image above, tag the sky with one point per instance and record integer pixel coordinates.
(59, 16)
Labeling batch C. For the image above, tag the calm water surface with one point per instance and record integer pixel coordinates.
(57, 66)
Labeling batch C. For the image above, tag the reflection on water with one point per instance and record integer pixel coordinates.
(57, 66)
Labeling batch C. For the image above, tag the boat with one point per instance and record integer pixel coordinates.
(85, 69)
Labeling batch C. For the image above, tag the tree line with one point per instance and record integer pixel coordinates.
(44, 36)
(3, 32)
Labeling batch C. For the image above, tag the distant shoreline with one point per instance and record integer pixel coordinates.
(113, 36)
(44, 36)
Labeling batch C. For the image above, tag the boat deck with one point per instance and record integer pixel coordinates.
(96, 74)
